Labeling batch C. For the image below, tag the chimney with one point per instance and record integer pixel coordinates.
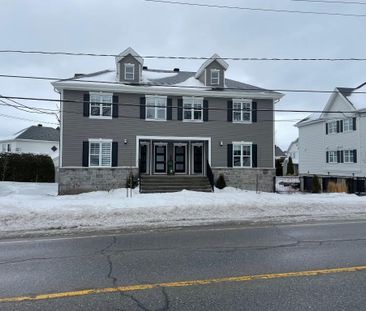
(39, 125)
(176, 69)
(144, 67)
(78, 75)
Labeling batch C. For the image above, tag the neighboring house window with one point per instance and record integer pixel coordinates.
(156, 107)
(332, 127)
(8, 149)
(215, 76)
(101, 105)
(129, 71)
(100, 153)
(242, 155)
(242, 110)
(348, 125)
(348, 156)
(332, 157)
(192, 108)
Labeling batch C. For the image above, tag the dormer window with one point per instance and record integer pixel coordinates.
(129, 71)
(215, 76)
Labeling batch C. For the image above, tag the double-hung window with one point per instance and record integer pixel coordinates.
(242, 111)
(192, 108)
(215, 76)
(332, 127)
(348, 125)
(156, 108)
(101, 105)
(332, 157)
(100, 153)
(348, 156)
(129, 71)
(242, 155)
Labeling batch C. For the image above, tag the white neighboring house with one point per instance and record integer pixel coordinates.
(293, 152)
(332, 144)
(34, 139)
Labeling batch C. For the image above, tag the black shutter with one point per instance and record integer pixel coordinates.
(180, 109)
(355, 156)
(114, 154)
(341, 126)
(254, 112)
(169, 110)
(142, 107)
(339, 157)
(354, 123)
(230, 111)
(326, 128)
(115, 107)
(229, 155)
(205, 110)
(342, 156)
(86, 105)
(338, 127)
(254, 155)
(327, 156)
(85, 154)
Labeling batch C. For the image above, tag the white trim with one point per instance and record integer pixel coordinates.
(214, 57)
(218, 76)
(125, 65)
(193, 100)
(138, 138)
(100, 141)
(100, 103)
(152, 90)
(61, 147)
(242, 101)
(156, 107)
(242, 144)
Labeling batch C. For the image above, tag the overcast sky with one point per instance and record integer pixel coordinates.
(110, 26)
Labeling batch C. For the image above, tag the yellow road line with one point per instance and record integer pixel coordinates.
(130, 288)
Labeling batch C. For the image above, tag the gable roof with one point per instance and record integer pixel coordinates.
(213, 58)
(279, 152)
(132, 52)
(39, 133)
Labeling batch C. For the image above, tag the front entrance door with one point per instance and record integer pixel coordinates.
(197, 158)
(180, 158)
(160, 158)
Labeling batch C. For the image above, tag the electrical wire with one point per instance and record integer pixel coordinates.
(332, 1)
(217, 6)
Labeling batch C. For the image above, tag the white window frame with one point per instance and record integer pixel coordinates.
(214, 78)
(100, 142)
(155, 99)
(332, 155)
(348, 156)
(242, 145)
(242, 111)
(347, 125)
(192, 101)
(101, 104)
(332, 127)
(129, 65)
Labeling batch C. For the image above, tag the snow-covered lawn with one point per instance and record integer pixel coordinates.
(31, 206)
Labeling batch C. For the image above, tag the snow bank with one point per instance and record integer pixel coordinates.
(31, 206)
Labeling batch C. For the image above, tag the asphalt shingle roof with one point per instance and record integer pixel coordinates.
(40, 133)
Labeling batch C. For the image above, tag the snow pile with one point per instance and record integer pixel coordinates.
(31, 206)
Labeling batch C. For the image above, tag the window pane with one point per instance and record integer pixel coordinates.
(107, 110)
(237, 161)
(187, 105)
(237, 116)
(95, 110)
(161, 113)
(198, 115)
(246, 161)
(106, 154)
(246, 150)
(237, 106)
(150, 113)
(187, 114)
(94, 148)
(94, 160)
(106, 98)
(94, 98)
(246, 116)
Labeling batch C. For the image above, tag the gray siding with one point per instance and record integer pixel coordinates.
(77, 128)
(129, 59)
(214, 65)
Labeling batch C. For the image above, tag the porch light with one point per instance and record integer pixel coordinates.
(125, 141)
(221, 143)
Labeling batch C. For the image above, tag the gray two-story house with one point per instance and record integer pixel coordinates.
(157, 123)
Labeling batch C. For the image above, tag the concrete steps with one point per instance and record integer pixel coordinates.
(164, 183)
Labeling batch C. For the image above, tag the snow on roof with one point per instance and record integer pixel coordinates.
(132, 52)
(357, 97)
(213, 58)
(310, 118)
(148, 75)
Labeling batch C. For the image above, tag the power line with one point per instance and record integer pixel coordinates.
(176, 86)
(176, 107)
(330, 59)
(332, 1)
(216, 6)
(25, 119)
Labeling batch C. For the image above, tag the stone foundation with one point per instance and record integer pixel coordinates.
(248, 178)
(79, 180)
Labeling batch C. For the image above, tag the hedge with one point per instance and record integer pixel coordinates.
(26, 167)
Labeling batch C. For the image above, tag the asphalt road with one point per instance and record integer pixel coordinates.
(69, 266)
